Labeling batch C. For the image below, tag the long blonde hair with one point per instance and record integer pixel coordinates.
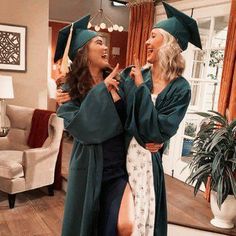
(169, 59)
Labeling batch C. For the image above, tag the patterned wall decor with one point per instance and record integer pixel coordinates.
(13, 47)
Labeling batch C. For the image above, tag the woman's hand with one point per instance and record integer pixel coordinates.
(62, 97)
(135, 72)
(153, 147)
(110, 80)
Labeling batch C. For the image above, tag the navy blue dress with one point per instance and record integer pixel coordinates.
(114, 179)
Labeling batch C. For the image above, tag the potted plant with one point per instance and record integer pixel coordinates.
(215, 157)
(190, 132)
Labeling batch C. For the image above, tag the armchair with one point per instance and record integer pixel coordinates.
(23, 168)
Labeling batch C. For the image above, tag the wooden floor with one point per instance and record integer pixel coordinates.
(35, 214)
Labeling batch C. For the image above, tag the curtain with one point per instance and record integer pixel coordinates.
(227, 97)
(140, 25)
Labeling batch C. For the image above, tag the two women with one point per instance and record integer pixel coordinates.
(156, 101)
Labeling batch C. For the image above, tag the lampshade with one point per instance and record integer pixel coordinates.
(6, 87)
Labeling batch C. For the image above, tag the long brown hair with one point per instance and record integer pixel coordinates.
(79, 77)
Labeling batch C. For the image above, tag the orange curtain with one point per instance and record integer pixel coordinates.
(140, 25)
(227, 98)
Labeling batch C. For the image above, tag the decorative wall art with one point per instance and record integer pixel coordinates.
(13, 47)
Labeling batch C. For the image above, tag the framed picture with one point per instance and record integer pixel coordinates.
(13, 47)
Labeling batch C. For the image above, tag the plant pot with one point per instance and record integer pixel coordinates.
(223, 218)
(187, 147)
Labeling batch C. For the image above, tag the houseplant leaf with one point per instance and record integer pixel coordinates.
(214, 155)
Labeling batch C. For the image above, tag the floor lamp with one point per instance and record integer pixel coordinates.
(6, 92)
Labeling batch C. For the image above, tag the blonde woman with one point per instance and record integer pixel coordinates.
(157, 98)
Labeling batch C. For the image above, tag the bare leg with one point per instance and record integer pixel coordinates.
(126, 213)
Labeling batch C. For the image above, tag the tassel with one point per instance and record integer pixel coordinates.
(64, 69)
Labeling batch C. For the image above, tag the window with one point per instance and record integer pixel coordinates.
(203, 71)
(207, 64)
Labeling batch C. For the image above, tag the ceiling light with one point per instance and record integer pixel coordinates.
(101, 21)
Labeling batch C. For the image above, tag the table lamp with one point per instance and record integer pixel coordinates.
(6, 92)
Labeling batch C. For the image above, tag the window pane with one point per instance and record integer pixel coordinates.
(204, 29)
(215, 64)
(220, 32)
(198, 64)
(195, 91)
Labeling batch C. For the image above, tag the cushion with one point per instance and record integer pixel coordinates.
(18, 139)
(20, 117)
(39, 128)
(11, 164)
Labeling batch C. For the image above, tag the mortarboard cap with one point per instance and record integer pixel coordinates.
(183, 27)
(79, 37)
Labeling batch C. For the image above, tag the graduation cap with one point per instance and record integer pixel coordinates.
(183, 27)
(70, 39)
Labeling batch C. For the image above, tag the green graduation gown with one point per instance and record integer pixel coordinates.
(149, 123)
(91, 123)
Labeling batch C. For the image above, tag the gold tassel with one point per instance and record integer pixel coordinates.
(64, 64)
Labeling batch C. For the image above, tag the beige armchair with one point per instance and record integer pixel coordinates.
(22, 168)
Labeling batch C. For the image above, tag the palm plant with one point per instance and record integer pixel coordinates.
(215, 156)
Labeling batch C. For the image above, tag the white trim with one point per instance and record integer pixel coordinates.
(178, 230)
(202, 8)
(184, 5)
(60, 21)
(49, 52)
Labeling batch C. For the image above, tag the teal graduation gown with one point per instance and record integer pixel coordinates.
(91, 122)
(154, 123)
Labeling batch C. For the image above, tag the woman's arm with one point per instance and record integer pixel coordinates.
(95, 119)
(151, 125)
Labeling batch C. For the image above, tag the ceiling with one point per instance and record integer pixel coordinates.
(71, 10)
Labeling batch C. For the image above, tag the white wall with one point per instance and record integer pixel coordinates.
(30, 88)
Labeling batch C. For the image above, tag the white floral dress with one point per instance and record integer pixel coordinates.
(139, 167)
